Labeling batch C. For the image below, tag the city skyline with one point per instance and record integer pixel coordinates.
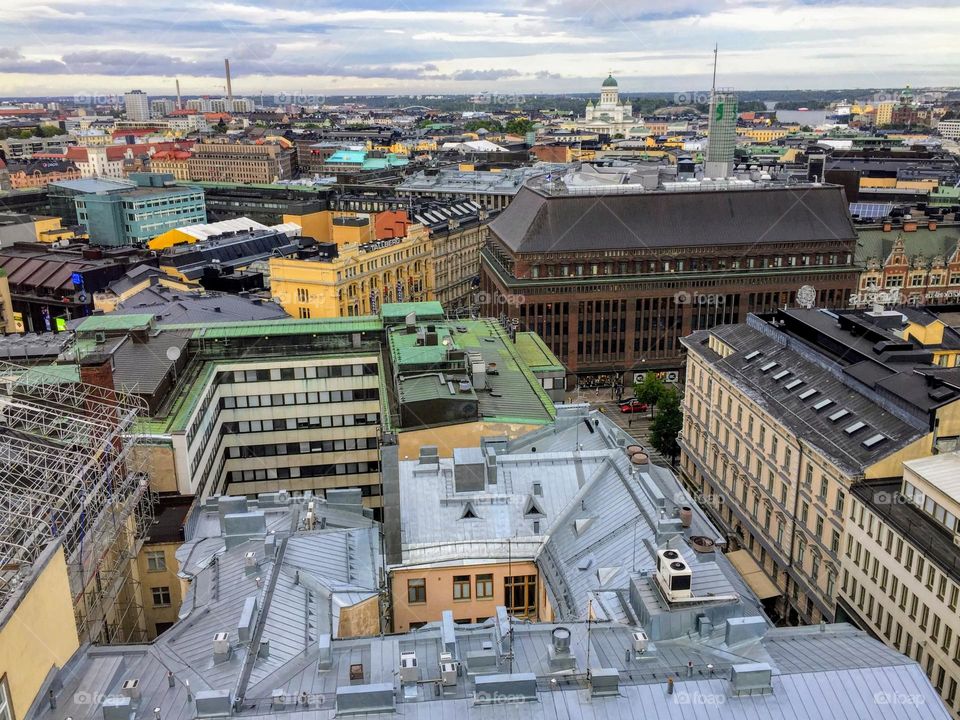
(65, 47)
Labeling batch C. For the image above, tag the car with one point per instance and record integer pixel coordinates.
(632, 405)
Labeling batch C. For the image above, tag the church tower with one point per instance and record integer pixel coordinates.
(609, 92)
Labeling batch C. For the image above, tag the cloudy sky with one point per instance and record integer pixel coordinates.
(293, 47)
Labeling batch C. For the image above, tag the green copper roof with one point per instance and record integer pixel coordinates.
(291, 326)
(100, 323)
(610, 81)
(535, 353)
(397, 312)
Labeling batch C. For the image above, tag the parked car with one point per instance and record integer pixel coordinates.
(632, 405)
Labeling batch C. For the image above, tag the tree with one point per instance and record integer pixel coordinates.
(519, 126)
(667, 425)
(649, 390)
(221, 126)
(491, 125)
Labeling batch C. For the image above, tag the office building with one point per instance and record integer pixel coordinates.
(900, 578)
(949, 129)
(120, 213)
(136, 105)
(613, 274)
(241, 162)
(785, 417)
(353, 279)
(17, 149)
(722, 135)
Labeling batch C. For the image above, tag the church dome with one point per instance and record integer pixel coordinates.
(609, 82)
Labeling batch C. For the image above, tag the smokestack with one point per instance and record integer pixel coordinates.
(179, 104)
(226, 65)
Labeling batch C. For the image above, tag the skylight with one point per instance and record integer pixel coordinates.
(855, 427)
(751, 355)
(874, 440)
(826, 402)
(839, 414)
(808, 393)
(796, 382)
(769, 366)
(782, 374)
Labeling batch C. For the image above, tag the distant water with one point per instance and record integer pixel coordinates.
(804, 117)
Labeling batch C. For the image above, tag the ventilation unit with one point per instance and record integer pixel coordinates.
(640, 641)
(409, 672)
(674, 575)
(448, 670)
(131, 688)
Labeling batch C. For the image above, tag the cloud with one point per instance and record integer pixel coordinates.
(485, 74)
(254, 51)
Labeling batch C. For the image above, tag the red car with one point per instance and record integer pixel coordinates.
(632, 405)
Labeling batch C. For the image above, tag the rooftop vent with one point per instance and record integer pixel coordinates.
(409, 672)
(751, 679)
(640, 641)
(131, 688)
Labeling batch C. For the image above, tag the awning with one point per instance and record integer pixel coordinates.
(751, 572)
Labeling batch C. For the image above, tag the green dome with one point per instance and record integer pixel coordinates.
(609, 82)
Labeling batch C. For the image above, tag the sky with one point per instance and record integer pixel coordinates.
(301, 50)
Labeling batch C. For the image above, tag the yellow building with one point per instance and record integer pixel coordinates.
(885, 112)
(161, 587)
(37, 635)
(763, 135)
(359, 279)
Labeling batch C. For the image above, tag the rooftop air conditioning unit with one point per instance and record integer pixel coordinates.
(409, 672)
(448, 670)
(640, 641)
(674, 575)
(221, 643)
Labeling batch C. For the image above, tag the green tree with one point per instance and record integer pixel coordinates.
(489, 124)
(649, 390)
(519, 126)
(668, 423)
(221, 126)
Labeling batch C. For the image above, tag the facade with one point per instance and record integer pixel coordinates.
(172, 162)
(136, 105)
(8, 321)
(240, 162)
(612, 278)
(161, 588)
(918, 266)
(900, 578)
(19, 149)
(41, 173)
(949, 129)
(782, 423)
(356, 279)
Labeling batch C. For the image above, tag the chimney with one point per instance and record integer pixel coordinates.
(226, 67)
(179, 103)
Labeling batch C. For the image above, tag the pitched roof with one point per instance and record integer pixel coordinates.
(536, 222)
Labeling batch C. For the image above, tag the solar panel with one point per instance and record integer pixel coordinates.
(873, 440)
(808, 393)
(796, 382)
(870, 209)
(839, 414)
(855, 427)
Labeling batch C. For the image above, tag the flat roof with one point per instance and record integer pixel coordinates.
(940, 471)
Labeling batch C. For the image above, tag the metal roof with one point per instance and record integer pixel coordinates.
(941, 471)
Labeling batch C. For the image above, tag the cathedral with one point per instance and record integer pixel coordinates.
(610, 116)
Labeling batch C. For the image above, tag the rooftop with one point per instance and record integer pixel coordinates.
(940, 471)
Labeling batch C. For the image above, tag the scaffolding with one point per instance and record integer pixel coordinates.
(69, 475)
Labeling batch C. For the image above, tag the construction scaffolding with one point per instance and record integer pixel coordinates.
(69, 475)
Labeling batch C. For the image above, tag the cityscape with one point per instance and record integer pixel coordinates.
(522, 360)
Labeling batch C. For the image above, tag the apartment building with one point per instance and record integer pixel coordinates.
(783, 421)
(240, 162)
(901, 578)
(356, 279)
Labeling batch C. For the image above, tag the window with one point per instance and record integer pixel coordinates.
(835, 541)
(6, 707)
(161, 596)
(304, 313)
(302, 295)
(838, 505)
(485, 586)
(416, 590)
(520, 595)
(156, 561)
(461, 587)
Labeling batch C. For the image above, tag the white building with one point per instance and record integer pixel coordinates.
(949, 129)
(136, 105)
(610, 116)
